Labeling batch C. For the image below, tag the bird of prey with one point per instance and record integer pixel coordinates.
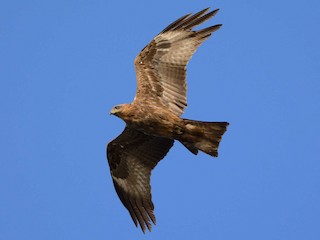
(153, 119)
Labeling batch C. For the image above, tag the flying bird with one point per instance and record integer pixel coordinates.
(153, 119)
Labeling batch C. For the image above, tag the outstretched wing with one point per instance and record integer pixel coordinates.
(161, 65)
(132, 156)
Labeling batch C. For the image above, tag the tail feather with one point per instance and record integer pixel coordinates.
(203, 136)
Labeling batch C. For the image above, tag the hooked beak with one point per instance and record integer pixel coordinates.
(113, 111)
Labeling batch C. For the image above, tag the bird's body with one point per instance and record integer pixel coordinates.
(157, 121)
(153, 119)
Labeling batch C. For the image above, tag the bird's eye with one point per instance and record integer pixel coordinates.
(117, 107)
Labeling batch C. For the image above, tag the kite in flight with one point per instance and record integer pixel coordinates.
(153, 118)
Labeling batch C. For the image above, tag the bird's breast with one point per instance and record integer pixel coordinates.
(156, 122)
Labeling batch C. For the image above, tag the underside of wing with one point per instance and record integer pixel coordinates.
(161, 65)
(131, 157)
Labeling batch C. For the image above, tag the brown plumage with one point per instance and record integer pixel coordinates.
(153, 119)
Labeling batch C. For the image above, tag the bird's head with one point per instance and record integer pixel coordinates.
(117, 110)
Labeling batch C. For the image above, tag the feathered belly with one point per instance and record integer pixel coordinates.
(160, 124)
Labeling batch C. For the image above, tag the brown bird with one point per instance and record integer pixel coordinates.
(153, 119)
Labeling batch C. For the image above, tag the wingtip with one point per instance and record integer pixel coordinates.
(203, 11)
(149, 227)
(143, 227)
(213, 12)
(218, 26)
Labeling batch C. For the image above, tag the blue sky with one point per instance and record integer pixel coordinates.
(64, 64)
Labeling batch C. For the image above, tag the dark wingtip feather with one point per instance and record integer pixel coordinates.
(200, 19)
(175, 23)
(189, 21)
(137, 214)
(216, 11)
(207, 31)
(148, 206)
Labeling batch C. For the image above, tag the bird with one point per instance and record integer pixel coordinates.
(153, 120)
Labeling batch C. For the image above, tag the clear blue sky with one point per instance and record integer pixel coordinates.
(64, 64)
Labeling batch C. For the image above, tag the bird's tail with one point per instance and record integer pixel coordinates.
(203, 136)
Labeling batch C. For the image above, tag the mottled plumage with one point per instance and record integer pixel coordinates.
(153, 119)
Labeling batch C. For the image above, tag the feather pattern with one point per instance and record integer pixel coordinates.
(161, 65)
(132, 156)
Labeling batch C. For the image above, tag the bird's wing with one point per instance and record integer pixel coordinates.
(161, 65)
(132, 156)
